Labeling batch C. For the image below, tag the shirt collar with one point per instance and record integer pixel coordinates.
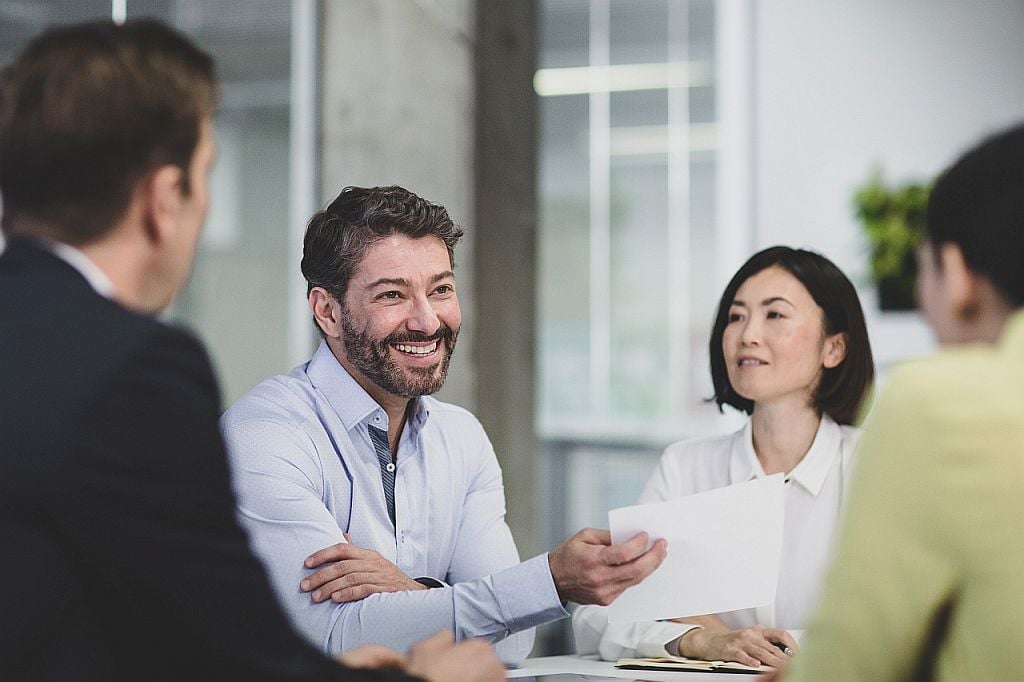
(743, 462)
(811, 471)
(92, 273)
(350, 401)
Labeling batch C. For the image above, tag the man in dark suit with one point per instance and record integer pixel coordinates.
(122, 557)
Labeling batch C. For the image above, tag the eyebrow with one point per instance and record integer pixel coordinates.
(388, 281)
(402, 282)
(765, 302)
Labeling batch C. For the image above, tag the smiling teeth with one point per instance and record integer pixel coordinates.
(417, 350)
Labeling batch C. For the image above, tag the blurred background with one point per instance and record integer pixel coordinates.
(613, 161)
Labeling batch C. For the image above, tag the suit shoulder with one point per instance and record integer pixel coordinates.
(119, 335)
(165, 354)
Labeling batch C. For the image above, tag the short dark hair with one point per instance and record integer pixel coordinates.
(842, 388)
(978, 205)
(86, 111)
(338, 236)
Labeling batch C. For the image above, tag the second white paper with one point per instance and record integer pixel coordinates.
(724, 548)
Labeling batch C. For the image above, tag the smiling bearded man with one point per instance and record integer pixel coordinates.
(352, 443)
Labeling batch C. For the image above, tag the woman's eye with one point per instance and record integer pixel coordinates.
(735, 317)
(772, 315)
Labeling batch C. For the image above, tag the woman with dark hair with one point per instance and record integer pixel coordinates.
(790, 348)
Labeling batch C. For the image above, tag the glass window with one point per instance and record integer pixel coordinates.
(628, 245)
(630, 250)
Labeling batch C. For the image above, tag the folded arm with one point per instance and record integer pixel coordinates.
(280, 486)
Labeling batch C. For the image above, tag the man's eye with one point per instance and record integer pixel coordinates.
(444, 289)
(390, 295)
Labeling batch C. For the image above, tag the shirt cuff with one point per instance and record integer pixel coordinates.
(654, 641)
(526, 594)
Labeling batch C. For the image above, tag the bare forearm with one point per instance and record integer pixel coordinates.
(684, 645)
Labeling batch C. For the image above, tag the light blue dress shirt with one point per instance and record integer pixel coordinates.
(305, 470)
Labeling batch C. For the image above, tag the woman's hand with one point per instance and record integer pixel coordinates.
(751, 646)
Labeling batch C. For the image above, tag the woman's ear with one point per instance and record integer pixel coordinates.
(960, 283)
(834, 351)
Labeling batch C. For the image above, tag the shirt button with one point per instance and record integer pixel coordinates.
(390, 466)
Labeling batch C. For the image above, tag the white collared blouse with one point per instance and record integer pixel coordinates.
(814, 496)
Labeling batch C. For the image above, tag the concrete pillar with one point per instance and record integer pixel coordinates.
(505, 248)
(397, 109)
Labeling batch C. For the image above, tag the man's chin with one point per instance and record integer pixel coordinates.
(425, 381)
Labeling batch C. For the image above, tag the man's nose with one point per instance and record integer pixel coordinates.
(423, 318)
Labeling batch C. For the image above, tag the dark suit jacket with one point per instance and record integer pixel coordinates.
(121, 555)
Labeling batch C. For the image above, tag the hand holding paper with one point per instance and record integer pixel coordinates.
(588, 569)
(726, 545)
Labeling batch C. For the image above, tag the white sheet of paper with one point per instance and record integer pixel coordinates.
(724, 548)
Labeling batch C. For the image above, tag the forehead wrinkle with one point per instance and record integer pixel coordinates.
(403, 262)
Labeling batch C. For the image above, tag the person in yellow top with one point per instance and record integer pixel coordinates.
(928, 578)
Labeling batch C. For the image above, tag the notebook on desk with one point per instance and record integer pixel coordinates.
(690, 665)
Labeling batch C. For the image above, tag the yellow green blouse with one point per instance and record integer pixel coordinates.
(928, 578)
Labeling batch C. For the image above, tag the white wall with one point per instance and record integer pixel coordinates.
(842, 85)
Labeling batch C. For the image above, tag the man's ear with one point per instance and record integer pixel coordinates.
(960, 283)
(835, 350)
(162, 197)
(326, 312)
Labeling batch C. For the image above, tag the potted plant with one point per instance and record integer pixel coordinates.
(893, 219)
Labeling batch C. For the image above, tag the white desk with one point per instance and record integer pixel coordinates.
(589, 665)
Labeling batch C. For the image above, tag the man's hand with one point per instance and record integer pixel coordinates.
(588, 569)
(371, 656)
(750, 646)
(353, 573)
(438, 659)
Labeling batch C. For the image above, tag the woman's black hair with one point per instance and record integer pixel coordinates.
(842, 388)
